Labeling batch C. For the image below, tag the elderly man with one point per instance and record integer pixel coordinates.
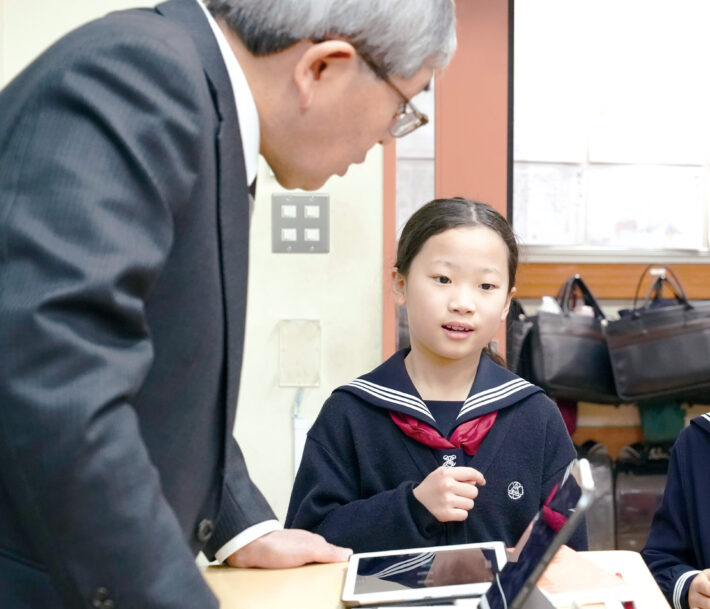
(127, 155)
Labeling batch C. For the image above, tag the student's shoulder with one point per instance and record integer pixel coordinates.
(701, 424)
(340, 400)
(695, 437)
(507, 389)
(538, 402)
(344, 406)
(343, 419)
(536, 415)
(373, 393)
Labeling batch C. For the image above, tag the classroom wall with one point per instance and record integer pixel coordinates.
(341, 289)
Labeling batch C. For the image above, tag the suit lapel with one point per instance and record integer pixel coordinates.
(233, 195)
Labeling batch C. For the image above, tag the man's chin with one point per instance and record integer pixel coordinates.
(291, 181)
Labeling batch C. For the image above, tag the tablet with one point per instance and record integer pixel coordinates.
(516, 585)
(419, 574)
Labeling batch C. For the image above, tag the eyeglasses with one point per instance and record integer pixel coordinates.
(407, 118)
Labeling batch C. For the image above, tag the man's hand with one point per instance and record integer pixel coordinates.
(287, 548)
(448, 492)
(699, 592)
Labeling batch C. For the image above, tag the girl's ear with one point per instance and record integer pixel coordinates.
(399, 288)
(321, 62)
(506, 308)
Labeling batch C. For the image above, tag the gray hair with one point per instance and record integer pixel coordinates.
(399, 35)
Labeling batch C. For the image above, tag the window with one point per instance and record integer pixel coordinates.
(415, 163)
(612, 128)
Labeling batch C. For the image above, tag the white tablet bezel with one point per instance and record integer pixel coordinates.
(350, 599)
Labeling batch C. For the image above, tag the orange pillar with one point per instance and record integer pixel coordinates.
(472, 107)
(389, 218)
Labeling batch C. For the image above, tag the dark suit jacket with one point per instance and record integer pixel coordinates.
(123, 268)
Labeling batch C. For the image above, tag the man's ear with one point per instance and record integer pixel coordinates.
(399, 288)
(322, 59)
(511, 295)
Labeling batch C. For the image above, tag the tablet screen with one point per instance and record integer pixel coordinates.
(426, 569)
(553, 526)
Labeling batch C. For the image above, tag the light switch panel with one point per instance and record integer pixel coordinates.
(300, 223)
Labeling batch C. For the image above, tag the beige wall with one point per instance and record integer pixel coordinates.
(341, 289)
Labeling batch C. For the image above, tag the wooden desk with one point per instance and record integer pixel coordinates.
(320, 586)
(309, 587)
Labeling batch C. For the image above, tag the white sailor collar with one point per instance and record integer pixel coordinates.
(389, 386)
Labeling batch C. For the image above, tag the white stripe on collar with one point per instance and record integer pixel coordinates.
(247, 113)
(489, 396)
(391, 395)
(706, 417)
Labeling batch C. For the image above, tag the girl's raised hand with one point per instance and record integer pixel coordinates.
(448, 492)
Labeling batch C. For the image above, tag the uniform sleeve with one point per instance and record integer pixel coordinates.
(92, 170)
(326, 497)
(668, 551)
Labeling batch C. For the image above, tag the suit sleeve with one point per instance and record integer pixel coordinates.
(668, 551)
(326, 498)
(243, 505)
(92, 171)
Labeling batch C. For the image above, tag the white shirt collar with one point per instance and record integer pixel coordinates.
(246, 106)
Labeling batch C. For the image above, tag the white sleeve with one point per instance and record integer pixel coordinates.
(246, 537)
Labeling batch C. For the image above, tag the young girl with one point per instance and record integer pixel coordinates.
(440, 444)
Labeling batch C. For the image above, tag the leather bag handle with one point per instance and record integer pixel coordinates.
(668, 277)
(564, 297)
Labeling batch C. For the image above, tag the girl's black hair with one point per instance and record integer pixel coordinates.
(440, 215)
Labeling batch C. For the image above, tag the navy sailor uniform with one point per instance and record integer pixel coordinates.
(678, 544)
(358, 470)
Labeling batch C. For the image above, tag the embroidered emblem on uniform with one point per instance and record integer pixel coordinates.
(449, 460)
(515, 490)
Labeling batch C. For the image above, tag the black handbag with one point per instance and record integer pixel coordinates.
(662, 348)
(565, 353)
(518, 355)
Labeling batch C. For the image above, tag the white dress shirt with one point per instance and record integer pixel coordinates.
(249, 129)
